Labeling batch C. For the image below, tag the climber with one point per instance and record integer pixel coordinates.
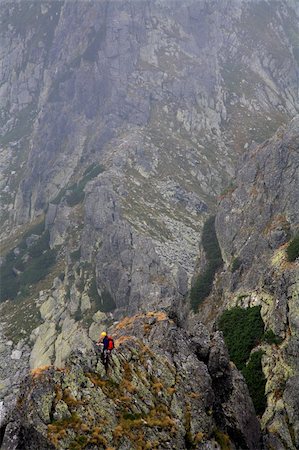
(108, 345)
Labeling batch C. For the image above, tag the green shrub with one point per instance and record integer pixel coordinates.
(76, 191)
(59, 197)
(41, 245)
(38, 267)
(222, 439)
(293, 249)
(37, 230)
(10, 282)
(242, 330)
(204, 282)
(210, 242)
(33, 270)
(256, 381)
(76, 196)
(92, 171)
(271, 338)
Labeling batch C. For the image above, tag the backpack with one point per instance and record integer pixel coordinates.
(110, 343)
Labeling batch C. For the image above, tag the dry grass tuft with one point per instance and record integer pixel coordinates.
(36, 373)
(119, 341)
(157, 387)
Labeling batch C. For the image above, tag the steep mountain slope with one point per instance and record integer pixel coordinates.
(121, 124)
(256, 223)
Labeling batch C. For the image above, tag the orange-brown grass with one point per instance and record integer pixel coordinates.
(128, 386)
(84, 427)
(195, 395)
(198, 437)
(36, 373)
(163, 422)
(152, 445)
(128, 321)
(159, 315)
(96, 380)
(170, 390)
(146, 328)
(157, 387)
(118, 432)
(57, 430)
(69, 399)
(121, 340)
(277, 221)
(58, 393)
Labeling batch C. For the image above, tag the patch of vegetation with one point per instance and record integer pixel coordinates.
(37, 229)
(28, 265)
(271, 338)
(132, 416)
(222, 439)
(76, 254)
(203, 284)
(92, 171)
(38, 268)
(74, 194)
(236, 264)
(256, 381)
(59, 196)
(242, 329)
(40, 246)
(293, 249)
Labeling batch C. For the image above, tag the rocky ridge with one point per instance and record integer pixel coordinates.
(164, 389)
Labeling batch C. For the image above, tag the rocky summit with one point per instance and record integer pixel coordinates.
(149, 188)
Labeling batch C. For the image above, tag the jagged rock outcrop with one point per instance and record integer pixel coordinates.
(255, 222)
(159, 393)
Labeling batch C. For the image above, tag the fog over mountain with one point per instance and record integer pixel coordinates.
(149, 174)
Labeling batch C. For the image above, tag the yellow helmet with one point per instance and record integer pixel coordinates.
(103, 334)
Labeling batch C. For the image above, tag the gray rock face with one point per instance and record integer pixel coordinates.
(157, 95)
(156, 390)
(162, 97)
(128, 87)
(254, 223)
(265, 203)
